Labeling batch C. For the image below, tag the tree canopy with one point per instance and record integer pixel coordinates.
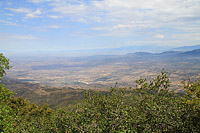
(4, 65)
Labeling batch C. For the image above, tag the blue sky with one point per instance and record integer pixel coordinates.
(49, 25)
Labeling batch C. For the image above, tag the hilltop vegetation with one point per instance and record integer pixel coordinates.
(55, 97)
(150, 107)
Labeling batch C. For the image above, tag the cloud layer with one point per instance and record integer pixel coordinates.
(142, 21)
(120, 15)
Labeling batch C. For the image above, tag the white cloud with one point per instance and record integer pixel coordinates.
(9, 14)
(68, 8)
(54, 16)
(8, 23)
(23, 37)
(123, 26)
(98, 28)
(39, 1)
(20, 10)
(122, 17)
(55, 26)
(29, 13)
(13, 37)
(159, 11)
(35, 14)
(159, 36)
(137, 13)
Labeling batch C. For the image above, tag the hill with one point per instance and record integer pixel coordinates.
(195, 53)
(39, 94)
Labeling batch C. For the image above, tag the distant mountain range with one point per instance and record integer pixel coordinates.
(142, 48)
(195, 52)
(108, 51)
(116, 51)
(137, 56)
(186, 48)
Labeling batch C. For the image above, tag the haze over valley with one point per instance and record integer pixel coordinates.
(104, 71)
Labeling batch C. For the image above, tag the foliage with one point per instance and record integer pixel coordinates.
(4, 65)
(19, 115)
(150, 107)
(5, 95)
(5, 118)
(100, 113)
(192, 100)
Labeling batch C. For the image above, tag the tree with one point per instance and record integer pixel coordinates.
(5, 95)
(4, 65)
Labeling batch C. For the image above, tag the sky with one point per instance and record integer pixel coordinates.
(53, 25)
